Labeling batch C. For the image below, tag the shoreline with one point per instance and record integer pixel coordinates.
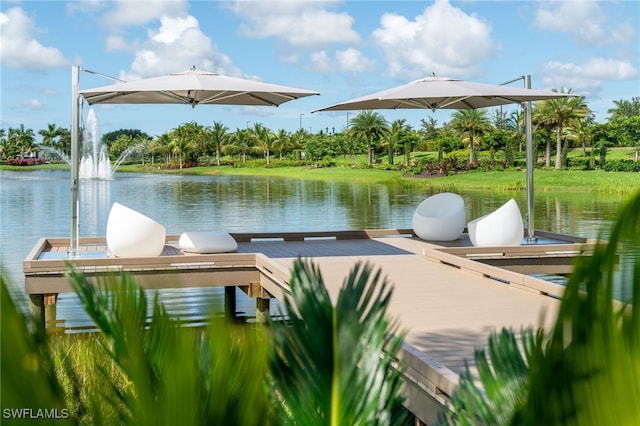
(578, 181)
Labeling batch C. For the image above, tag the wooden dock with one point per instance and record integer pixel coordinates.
(448, 299)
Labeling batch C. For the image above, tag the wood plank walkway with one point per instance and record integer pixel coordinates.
(447, 311)
(446, 299)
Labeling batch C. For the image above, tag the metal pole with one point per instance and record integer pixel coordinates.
(530, 165)
(75, 158)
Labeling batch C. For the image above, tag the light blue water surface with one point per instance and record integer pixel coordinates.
(36, 204)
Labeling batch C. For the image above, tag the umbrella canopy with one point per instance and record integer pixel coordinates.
(190, 87)
(443, 93)
(447, 93)
(194, 87)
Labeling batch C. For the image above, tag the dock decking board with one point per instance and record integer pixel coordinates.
(445, 300)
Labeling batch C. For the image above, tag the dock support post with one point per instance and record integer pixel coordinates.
(36, 313)
(230, 303)
(50, 310)
(262, 310)
(42, 312)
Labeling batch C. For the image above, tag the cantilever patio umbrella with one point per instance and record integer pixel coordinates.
(446, 93)
(191, 87)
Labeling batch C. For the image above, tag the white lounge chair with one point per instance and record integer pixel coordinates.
(207, 242)
(502, 227)
(440, 217)
(132, 234)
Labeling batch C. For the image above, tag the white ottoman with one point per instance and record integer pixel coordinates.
(207, 242)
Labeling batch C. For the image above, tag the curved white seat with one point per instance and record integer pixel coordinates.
(132, 234)
(207, 242)
(440, 217)
(502, 227)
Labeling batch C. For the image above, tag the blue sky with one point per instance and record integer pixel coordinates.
(341, 49)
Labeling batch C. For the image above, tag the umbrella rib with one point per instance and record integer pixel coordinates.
(104, 97)
(417, 103)
(218, 96)
(268, 102)
(176, 96)
(451, 101)
(228, 95)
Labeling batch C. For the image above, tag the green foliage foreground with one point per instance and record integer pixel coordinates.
(332, 368)
(587, 370)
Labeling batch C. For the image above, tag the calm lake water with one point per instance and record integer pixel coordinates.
(36, 204)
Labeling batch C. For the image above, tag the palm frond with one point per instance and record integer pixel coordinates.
(28, 380)
(176, 375)
(503, 375)
(333, 363)
(588, 371)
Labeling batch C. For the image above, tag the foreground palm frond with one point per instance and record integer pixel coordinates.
(28, 382)
(333, 363)
(588, 372)
(175, 375)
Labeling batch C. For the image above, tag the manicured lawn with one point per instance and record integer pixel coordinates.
(513, 179)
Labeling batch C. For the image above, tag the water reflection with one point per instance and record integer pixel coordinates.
(36, 204)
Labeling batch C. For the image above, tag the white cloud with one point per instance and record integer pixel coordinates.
(127, 13)
(321, 61)
(86, 6)
(30, 104)
(588, 78)
(442, 40)
(352, 60)
(585, 20)
(19, 47)
(115, 43)
(175, 46)
(300, 24)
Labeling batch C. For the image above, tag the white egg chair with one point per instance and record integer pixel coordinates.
(440, 217)
(502, 227)
(132, 234)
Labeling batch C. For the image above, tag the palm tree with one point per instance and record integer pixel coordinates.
(542, 116)
(281, 142)
(369, 126)
(625, 109)
(472, 123)
(299, 139)
(263, 139)
(563, 111)
(399, 129)
(162, 145)
(219, 137)
(185, 139)
(7, 147)
(49, 136)
(64, 141)
(242, 142)
(24, 139)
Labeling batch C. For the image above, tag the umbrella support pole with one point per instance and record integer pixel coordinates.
(531, 165)
(75, 158)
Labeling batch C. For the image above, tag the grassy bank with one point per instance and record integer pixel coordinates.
(546, 180)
